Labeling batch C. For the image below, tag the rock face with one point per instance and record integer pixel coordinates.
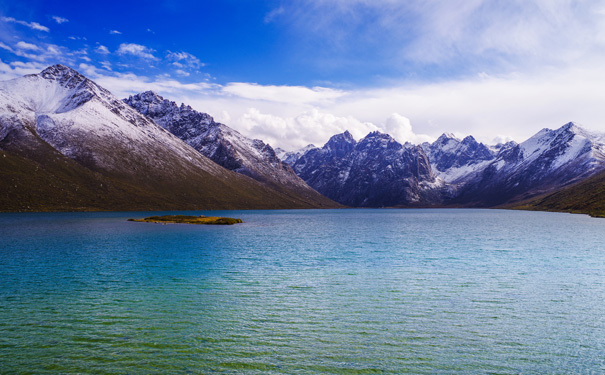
(86, 149)
(223, 145)
(377, 171)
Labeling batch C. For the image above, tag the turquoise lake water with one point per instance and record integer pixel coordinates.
(304, 292)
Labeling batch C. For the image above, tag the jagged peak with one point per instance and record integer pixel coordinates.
(469, 140)
(149, 97)
(378, 134)
(342, 137)
(59, 71)
(445, 137)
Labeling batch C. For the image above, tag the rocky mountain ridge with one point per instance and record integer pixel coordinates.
(223, 145)
(459, 172)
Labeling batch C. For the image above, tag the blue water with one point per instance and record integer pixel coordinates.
(301, 292)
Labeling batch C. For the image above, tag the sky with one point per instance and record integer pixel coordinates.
(297, 72)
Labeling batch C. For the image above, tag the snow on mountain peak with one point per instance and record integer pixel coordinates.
(57, 89)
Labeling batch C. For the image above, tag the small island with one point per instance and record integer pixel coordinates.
(184, 219)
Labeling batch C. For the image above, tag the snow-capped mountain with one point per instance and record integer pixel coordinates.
(545, 162)
(223, 145)
(378, 171)
(453, 160)
(290, 157)
(374, 172)
(59, 119)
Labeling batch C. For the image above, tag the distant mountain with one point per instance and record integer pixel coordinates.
(587, 197)
(377, 171)
(290, 157)
(225, 146)
(454, 160)
(546, 162)
(68, 144)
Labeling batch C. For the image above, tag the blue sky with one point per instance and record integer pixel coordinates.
(295, 72)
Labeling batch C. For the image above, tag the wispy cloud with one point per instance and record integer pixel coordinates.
(184, 59)
(273, 14)
(28, 46)
(115, 32)
(451, 37)
(31, 25)
(136, 50)
(102, 50)
(60, 20)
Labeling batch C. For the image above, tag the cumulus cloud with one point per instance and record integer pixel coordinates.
(295, 132)
(60, 20)
(31, 25)
(136, 50)
(400, 128)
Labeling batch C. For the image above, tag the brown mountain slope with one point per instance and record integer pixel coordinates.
(587, 197)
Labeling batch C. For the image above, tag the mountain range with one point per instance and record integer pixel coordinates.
(378, 171)
(68, 144)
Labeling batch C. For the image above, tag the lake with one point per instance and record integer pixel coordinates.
(304, 291)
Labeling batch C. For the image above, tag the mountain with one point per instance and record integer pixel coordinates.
(225, 146)
(544, 163)
(290, 157)
(587, 197)
(454, 160)
(69, 144)
(377, 171)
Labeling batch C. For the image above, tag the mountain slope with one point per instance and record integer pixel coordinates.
(225, 146)
(76, 136)
(586, 197)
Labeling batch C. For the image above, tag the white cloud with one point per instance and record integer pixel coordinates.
(115, 32)
(400, 128)
(106, 65)
(4, 46)
(295, 132)
(102, 50)
(182, 73)
(184, 60)
(17, 69)
(136, 50)
(282, 94)
(31, 25)
(60, 20)
(27, 46)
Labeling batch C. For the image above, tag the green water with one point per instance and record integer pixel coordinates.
(303, 292)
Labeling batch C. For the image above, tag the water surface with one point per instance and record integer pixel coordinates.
(297, 292)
